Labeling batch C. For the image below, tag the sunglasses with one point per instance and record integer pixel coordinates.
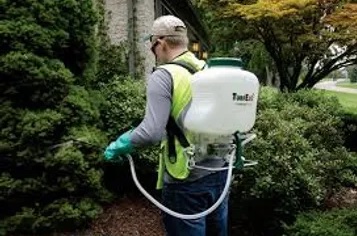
(151, 37)
(154, 46)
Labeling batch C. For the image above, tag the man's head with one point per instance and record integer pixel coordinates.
(168, 38)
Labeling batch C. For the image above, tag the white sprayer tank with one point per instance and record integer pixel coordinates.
(224, 99)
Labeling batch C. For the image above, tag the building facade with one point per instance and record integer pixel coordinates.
(130, 21)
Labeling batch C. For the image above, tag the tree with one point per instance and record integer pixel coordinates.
(257, 60)
(316, 34)
(50, 177)
(252, 52)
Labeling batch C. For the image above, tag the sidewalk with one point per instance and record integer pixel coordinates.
(332, 85)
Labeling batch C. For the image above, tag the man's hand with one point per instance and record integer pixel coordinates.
(119, 147)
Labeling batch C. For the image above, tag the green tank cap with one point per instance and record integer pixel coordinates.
(225, 61)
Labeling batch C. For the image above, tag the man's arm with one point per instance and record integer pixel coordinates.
(158, 105)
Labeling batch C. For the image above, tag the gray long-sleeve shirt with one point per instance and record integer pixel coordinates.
(152, 129)
(158, 104)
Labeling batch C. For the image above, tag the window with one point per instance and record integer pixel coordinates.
(161, 8)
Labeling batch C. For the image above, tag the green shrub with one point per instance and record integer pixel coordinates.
(33, 82)
(124, 109)
(50, 160)
(350, 127)
(61, 213)
(124, 104)
(63, 30)
(342, 222)
(112, 61)
(301, 161)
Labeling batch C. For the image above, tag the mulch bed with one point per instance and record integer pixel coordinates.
(129, 216)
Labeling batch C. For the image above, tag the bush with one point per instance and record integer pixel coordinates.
(124, 109)
(301, 162)
(124, 104)
(342, 222)
(350, 127)
(112, 61)
(50, 139)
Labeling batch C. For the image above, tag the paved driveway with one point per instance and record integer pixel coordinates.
(332, 85)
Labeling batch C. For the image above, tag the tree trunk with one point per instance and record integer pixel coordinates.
(269, 76)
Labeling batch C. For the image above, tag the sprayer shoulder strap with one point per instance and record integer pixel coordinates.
(185, 65)
(172, 129)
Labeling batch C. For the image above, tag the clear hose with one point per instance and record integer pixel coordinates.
(203, 213)
(177, 214)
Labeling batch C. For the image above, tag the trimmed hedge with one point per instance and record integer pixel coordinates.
(302, 161)
(339, 222)
(47, 67)
(350, 127)
(124, 109)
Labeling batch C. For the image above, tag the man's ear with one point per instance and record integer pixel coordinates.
(164, 44)
(160, 41)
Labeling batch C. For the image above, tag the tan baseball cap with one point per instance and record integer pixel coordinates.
(168, 25)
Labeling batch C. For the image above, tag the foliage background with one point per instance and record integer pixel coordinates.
(302, 162)
(48, 68)
(65, 92)
(300, 54)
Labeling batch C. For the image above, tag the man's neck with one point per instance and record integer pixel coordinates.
(176, 52)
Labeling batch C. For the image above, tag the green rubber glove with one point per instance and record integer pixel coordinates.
(119, 147)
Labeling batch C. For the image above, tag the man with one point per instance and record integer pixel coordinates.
(168, 99)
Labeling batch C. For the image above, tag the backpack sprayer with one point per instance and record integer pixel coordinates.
(224, 101)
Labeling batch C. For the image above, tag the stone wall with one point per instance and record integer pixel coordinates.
(131, 21)
(117, 18)
(117, 15)
(145, 14)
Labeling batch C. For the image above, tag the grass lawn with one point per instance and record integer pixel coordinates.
(347, 85)
(347, 100)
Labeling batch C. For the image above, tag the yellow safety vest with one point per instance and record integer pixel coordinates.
(181, 97)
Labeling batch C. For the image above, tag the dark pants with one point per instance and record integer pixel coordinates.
(195, 197)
